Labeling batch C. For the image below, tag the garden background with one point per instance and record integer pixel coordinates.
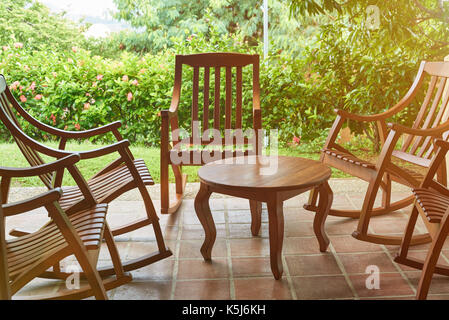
(324, 54)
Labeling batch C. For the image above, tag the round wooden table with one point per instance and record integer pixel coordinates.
(264, 179)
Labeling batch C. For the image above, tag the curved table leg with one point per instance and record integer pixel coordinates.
(256, 219)
(205, 216)
(276, 229)
(326, 198)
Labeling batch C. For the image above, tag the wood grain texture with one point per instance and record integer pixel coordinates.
(121, 175)
(291, 173)
(417, 150)
(432, 206)
(224, 116)
(242, 177)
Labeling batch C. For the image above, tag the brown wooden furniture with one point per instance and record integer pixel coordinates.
(432, 204)
(123, 174)
(243, 177)
(24, 258)
(229, 119)
(394, 164)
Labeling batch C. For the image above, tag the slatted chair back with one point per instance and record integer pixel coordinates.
(9, 107)
(433, 112)
(213, 115)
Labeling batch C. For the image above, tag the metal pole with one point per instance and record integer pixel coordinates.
(265, 29)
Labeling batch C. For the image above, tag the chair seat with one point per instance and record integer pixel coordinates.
(349, 158)
(25, 251)
(107, 186)
(433, 204)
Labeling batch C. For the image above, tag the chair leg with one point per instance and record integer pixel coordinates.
(152, 215)
(180, 183)
(113, 252)
(165, 188)
(386, 191)
(92, 275)
(362, 233)
(406, 240)
(432, 259)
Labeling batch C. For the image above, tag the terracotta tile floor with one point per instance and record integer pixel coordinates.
(240, 267)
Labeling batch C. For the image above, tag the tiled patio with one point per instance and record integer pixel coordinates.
(240, 267)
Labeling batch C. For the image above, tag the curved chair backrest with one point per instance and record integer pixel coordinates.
(203, 64)
(8, 109)
(433, 111)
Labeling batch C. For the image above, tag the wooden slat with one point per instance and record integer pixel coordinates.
(238, 111)
(196, 79)
(206, 98)
(228, 115)
(421, 114)
(430, 115)
(217, 99)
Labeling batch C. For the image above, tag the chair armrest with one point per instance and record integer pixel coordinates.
(360, 118)
(77, 134)
(170, 113)
(32, 203)
(40, 170)
(442, 144)
(121, 145)
(433, 132)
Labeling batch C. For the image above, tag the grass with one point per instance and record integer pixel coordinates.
(12, 157)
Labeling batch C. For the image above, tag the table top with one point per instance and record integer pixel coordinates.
(263, 173)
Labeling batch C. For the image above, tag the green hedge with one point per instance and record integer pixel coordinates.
(75, 90)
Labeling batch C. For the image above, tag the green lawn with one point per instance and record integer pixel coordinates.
(12, 157)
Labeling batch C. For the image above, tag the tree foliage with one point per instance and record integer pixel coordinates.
(369, 52)
(30, 23)
(163, 21)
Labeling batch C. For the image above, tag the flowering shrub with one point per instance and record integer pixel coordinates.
(75, 90)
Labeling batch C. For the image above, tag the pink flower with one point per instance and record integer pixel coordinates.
(135, 82)
(5, 48)
(75, 49)
(88, 94)
(130, 96)
(77, 126)
(66, 127)
(26, 68)
(70, 60)
(54, 74)
(125, 78)
(38, 97)
(296, 140)
(86, 106)
(142, 71)
(33, 86)
(94, 84)
(15, 85)
(53, 118)
(18, 45)
(100, 77)
(23, 98)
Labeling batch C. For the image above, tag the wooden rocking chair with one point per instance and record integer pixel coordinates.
(123, 174)
(432, 204)
(172, 147)
(24, 258)
(417, 149)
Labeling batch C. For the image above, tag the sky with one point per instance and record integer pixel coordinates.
(93, 11)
